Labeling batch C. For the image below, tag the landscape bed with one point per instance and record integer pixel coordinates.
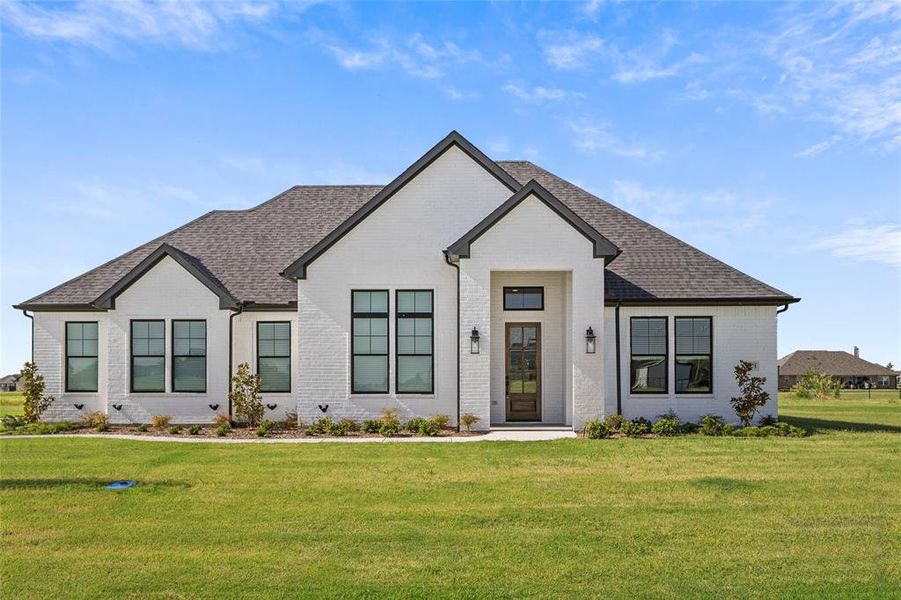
(685, 516)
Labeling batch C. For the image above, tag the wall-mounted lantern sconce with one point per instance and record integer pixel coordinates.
(323, 407)
(590, 340)
(271, 406)
(213, 406)
(78, 406)
(474, 341)
(117, 406)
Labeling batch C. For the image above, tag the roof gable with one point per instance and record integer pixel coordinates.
(298, 269)
(107, 300)
(602, 247)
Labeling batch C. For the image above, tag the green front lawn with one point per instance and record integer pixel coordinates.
(11, 403)
(681, 517)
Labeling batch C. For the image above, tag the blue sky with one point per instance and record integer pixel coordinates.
(768, 135)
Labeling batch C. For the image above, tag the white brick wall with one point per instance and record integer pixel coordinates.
(399, 246)
(739, 333)
(245, 350)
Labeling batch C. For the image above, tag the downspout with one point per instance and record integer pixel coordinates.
(619, 387)
(457, 267)
(783, 309)
(25, 312)
(231, 352)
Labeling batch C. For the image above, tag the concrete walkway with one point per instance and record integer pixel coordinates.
(518, 435)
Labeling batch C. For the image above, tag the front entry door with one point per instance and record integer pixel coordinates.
(523, 350)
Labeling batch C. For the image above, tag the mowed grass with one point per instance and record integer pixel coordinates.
(682, 517)
(11, 403)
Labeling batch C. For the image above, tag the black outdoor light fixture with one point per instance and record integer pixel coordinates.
(213, 406)
(78, 406)
(474, 341)
(117, 406)
(271, 406)
(589, 340)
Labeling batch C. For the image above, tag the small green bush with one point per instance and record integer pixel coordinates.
(320, 426)
(348, 424)
(340, 428)
(789, 430)
(689, 427)
(390, 428)
(636, 427)
(814, 384)
(371, 425)
(12, 421)
(414, 424)
(666, 426)
(194, 430)
(223, 429)
(712, 425)
(290, 421)
(596, 429)
(40, 428)
(430, 427)
(750, 432)
(175, 429)
(468, 420)
(102, 427)
(221, 419)
(94, 419)
(266, 427)
(141, 427)
(442, 420)
(768, 420)
(614, 422)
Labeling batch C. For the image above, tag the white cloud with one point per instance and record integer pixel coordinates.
(869, 243)
(573, 53)
(499, 146)
(459, 95)
(110, 202)
(103, 25)
(537, 94)
(592, 137)
(592, 8)
(818, 148)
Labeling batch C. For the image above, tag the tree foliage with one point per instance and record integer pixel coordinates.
(33, 391)
(245, 396)
(814, 384)
(752, 395)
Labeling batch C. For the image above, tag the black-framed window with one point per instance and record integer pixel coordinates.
(648, 338)
(81, 356)
(414, 370)
(369, 341)
(694, 354)
(523, 298)
(148, 356)
(274, 355)
(188, 356)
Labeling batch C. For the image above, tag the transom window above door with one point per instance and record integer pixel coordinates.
(523, 298)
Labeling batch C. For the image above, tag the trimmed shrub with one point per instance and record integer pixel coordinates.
(266, 427)
(789, 430)
(223, 429)
(666, 426)
(141, 427)
(175, 429)
(44, 428)
(769, 420)
(414, 424)
(430, 427)
(614, 422)
(636, 427)
(389, 428)
(160, 421)
(441, 420)
(221, 419)
(194, 430)
(596, 429)
(467, 420)
(102, 427)
(12, 421)
(320, 426)
(371, 425)
(290, 421)
(688, 427)
(348, 424)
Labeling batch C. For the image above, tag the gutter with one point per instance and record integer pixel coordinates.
(457, 267)
(619, 386)
(25, 312)
(231, 352)
(783, 309)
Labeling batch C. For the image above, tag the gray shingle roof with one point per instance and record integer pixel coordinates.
(831, 362)
(246, 250)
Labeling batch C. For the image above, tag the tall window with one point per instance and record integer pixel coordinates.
(693, 355)
(369, 342)
(648, 339)
(148, 356)
(188, 356)
(274, 356)
(523, 298)
(81, 357)
(414, 342)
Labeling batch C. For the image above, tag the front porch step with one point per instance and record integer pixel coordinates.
(529, 427)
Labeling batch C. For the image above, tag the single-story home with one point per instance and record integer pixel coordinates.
(848, 369)
(11, 383)
(466, 285)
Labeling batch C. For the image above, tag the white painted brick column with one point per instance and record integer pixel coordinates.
(475, 369)
(587, 369)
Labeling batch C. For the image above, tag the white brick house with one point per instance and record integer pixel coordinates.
(463, 286)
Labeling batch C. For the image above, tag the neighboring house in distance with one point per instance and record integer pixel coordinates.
(11, 383)
(463, 286)
(849, 369)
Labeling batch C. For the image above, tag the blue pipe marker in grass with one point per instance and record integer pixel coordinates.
(121, 485)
